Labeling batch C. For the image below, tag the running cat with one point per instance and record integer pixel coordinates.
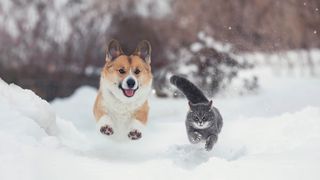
(203, 121)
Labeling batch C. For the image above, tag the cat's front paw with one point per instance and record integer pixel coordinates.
(107, 130)
(211, 140)
(196, 137)
(209, 146)
(134, 134)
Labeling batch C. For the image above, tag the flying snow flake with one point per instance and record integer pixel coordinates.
(153, 91)
(315, 32)
(229, 27)
(304, 3)
(317, 9)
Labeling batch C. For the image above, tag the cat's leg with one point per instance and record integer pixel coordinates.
(219, 121)
(105, 125)
(136, 129)
(194, 137)
(210, 141)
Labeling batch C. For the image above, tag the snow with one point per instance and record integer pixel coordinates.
(26, 104)
(155, 9)
(196, 47)
(273, 134)
(32, 18)
(12, 28)
(210, 42)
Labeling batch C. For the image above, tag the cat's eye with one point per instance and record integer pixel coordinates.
(204, 119)
(122, 71)
(137, 71)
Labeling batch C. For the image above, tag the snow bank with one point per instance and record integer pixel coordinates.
(271, 135)
(25, 103)
(25, 120)
(278, 146)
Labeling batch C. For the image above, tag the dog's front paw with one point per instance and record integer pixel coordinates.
(134, 135)
(107, 130)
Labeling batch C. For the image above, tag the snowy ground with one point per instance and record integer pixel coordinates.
(274, 134)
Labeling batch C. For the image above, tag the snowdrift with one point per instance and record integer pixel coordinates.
(262, 138)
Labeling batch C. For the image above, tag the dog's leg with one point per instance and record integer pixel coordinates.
(105, 125)
(139, 121)
(136, 130)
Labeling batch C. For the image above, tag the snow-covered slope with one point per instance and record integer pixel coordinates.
(26, 104)
(271, 135)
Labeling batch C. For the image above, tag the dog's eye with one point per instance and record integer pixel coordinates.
(137, 71)
(122, 71)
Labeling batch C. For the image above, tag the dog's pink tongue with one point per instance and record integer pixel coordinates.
(129, 92)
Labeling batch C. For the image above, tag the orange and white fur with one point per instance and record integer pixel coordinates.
(121, 107)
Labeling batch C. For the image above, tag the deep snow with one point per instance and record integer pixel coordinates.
(274, 134)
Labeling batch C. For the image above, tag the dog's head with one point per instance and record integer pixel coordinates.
(127, 77)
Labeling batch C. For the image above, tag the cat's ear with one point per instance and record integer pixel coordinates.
(209, 105)
(190, 105)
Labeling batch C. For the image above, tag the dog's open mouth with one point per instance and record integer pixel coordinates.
(128, 92)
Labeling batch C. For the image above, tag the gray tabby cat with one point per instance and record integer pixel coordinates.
(204, 121)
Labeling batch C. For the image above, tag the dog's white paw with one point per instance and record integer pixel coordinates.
(105, 126)
(136, 130)
(134, 134)
(107, 130)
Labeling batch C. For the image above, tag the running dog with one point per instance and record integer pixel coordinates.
(121, 106)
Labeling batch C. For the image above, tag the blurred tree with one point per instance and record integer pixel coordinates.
(55, 46)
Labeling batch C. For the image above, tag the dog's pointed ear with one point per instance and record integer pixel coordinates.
(113, 50)
(144, 51)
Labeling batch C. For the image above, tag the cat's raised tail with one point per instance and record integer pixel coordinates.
(192, 92)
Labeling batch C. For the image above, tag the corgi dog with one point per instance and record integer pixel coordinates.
(121, 106)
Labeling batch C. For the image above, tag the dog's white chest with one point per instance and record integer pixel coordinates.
(121, 121)
(120, 117)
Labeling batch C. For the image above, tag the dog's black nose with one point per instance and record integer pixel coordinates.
(131, 83)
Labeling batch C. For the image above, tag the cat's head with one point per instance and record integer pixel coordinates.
(201, 115)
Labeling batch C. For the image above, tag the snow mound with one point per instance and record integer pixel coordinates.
(255, 143)
(24, 102)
